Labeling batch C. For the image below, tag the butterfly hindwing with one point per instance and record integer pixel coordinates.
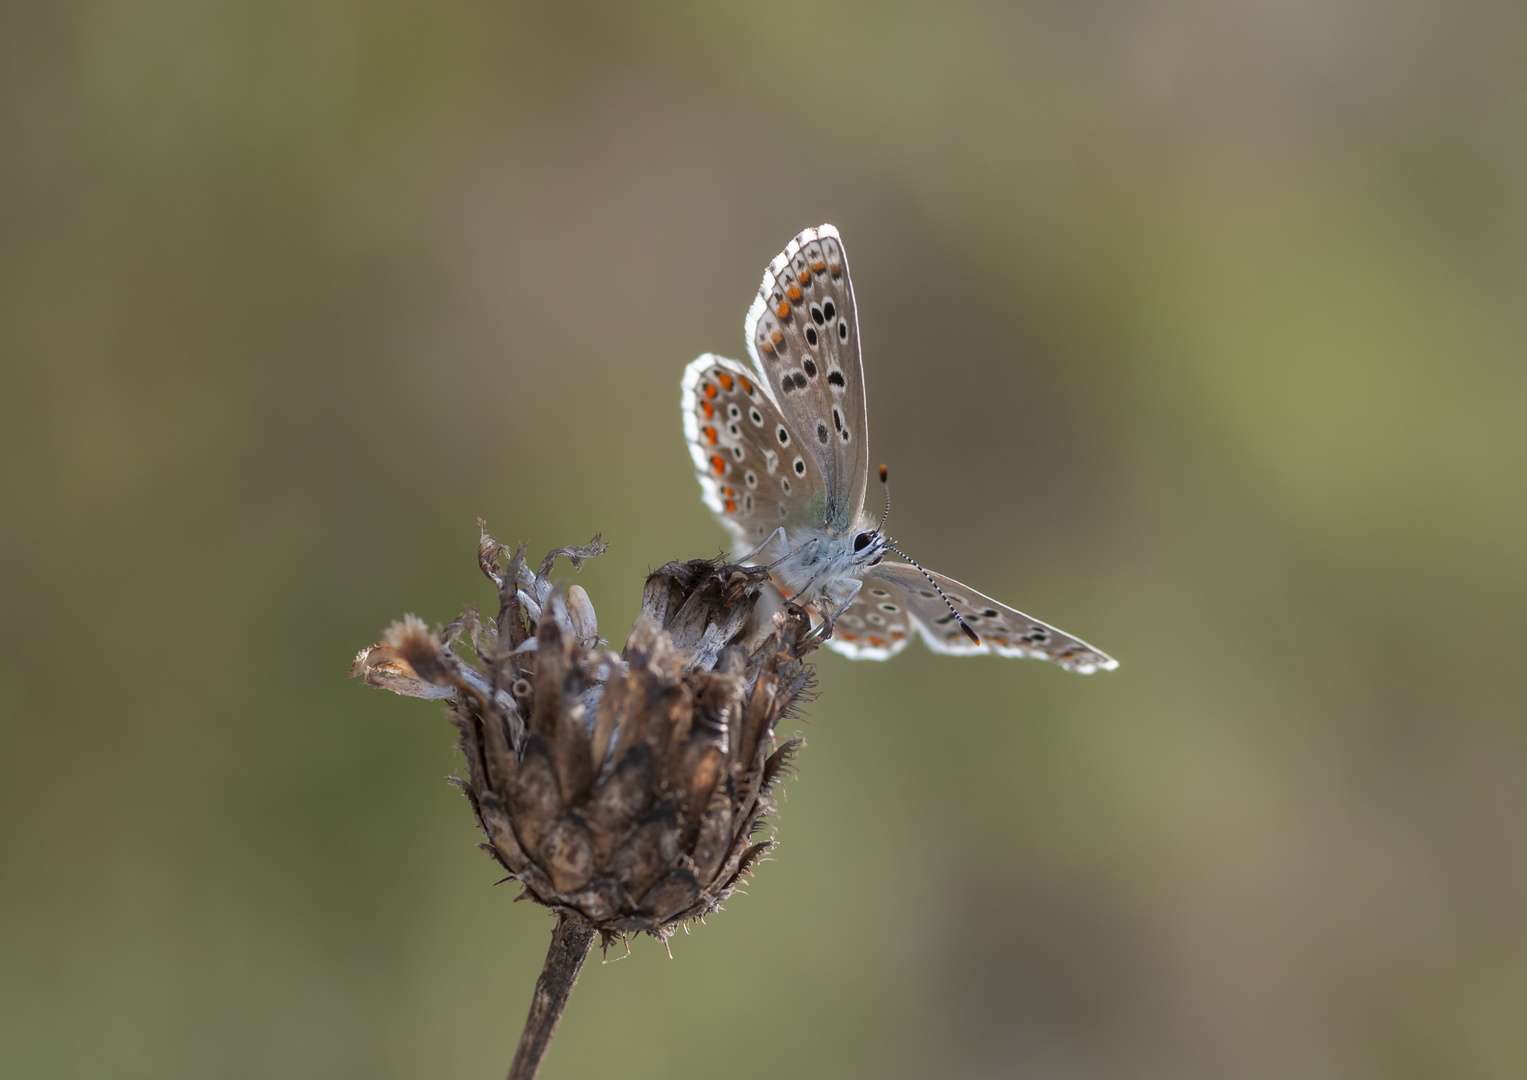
(752, 471)
(803, 335)
(1004, 631)
(877, 624)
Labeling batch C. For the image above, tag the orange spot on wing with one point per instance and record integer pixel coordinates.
(819, 266)
(731, 506)
(710, 391)
(710, 410)
(747, 387)
(783, 311)
(725, 380)
(897, 635)
(793, 292)
(850, 637)
(718, 463)
(710, 435)
(804, 277)
(776, 337)
(878, 642)
(768, 347)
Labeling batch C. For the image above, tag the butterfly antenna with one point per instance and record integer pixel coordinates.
(971, 634)
(887, 485)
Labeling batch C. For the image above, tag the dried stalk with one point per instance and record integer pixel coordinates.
(571, 942)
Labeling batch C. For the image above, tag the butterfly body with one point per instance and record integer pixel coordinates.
(823, 566)
(781, 450)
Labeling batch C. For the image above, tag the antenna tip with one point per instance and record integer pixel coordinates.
(882, 474)
(971, 634)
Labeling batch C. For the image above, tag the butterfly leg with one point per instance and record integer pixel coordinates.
(777, 535)
(835, 598)
(839, 593)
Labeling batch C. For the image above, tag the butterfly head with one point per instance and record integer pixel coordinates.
(869, 546)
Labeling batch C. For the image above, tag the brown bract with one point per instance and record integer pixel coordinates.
(623, 790)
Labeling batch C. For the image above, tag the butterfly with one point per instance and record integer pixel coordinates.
(781, 449)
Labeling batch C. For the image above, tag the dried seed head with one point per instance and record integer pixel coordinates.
(622, 790)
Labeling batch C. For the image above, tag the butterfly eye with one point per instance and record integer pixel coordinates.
(862, 541)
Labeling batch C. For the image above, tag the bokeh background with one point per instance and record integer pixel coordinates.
(1195, 328)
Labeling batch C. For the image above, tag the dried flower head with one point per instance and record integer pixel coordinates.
(623, 790)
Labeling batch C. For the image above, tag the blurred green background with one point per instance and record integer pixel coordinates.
(1197, 329)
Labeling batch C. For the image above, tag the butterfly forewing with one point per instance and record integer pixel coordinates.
(753, 471)
(1004, 631)
(803, 334)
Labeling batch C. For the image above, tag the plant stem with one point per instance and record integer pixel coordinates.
(570, 945)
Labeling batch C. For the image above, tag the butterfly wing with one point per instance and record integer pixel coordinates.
(753, 472)
(877, 624)
(1003, 630)
(803, 335)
